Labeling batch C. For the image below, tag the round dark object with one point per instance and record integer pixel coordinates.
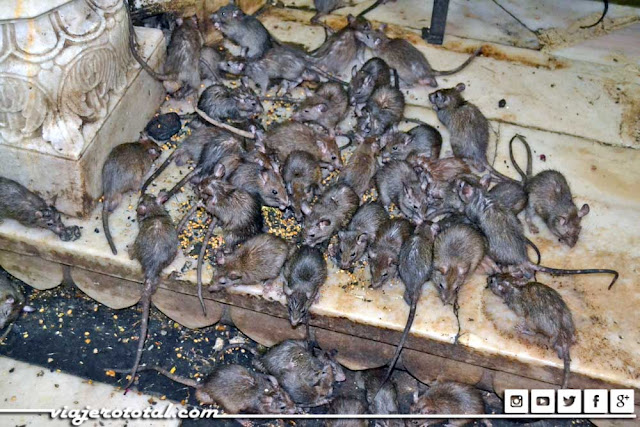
(164, 126)
(502, 103)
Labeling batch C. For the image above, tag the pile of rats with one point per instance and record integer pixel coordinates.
(386, 196)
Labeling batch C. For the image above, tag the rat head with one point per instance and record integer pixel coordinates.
(213, 187)
(567, 226)
(426, 405)
(225, 15)
(311, 110)
(450, 98)
(504, 284)
(361, 87)
(413, 201)
(318, 227)
(248, 104)
(300, 193)
(358, 23)
(396, 146)
(149, 206)
(229, 271)
(11, 302)
(353, 245)
(272, 189)
(151, 147)
(297, 304)
(234, 66)
(329, 153)
(373, 39)
(274, 400)
(447, 280)
(470, 189)
(49, 218)
(383, 266)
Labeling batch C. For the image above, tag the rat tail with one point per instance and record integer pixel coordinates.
(513, 160)
(604, 13)
(370, 8)
(535, 249)
(157, 172)
(224, 126)
(563, 272)
(149, 289)
(567, 369)
(169, 194)
(203, 250)
(186, 217)
(403, 338)
(460, 67)
(181, 380)
(136, 55)
(105, 226)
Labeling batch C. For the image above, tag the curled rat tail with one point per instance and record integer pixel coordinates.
(105, 226)
(604, 13)
(203, 250)
(150, 286)
(535, 249)
(136, 55)
(460, 67)
(157, 172)
(403, 338)
(563, 272)
(524, 175)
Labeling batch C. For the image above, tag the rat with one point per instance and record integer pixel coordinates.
(397, 182)
(182, 65)
(326, 107)
(468, 127)
(361, 166)
(155, 247)
(383, 110)
(302, 177)
(30, 210)
(385, 402)
(210, 61)
(258, 260)
(360, 233)
(12, 302)
(415, 265)
(341, 48)
(383, 253)
(323, 8)
(372, 75)
(411, 65)
(307, 375)
(262, 182)
(244, 30)
(347, 406)
(447, 397)
(218, 104)
(549, 196)
(422, 141)
(304, 273)
(280, 62)
(123, 171)
(332, 211)
(237, 390)
(543, 311)
(290, 136)
(506, 243)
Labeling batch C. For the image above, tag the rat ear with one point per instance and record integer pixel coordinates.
(362, 239)
(220, 259)
(264, 176)
(377, 41)
(584, 210)
(142, 209)
(354, 71)
(325, 223)
(287, 290)
(219, 170)
(408, 191)
(305, 208)
(465, 192)
(485, 181)
(435, 229)
(322, 107)
(39, 214)
(323, 146)
(562, 219)
(460, 87)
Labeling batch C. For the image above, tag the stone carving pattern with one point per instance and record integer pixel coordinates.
(59, 71)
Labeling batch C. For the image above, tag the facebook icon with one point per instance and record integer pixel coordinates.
(595, 401)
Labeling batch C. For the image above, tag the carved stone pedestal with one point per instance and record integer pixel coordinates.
(69, 92)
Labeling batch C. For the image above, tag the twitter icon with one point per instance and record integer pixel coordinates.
(569, 401)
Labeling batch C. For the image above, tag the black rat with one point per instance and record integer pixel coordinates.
(29, 209)
(372, 75)
(384, 401)
(244, 30)
(383, 253)
(411, 65)
(302, 177)
(397, 182)
(155, 247)
(263, 182)
(423, 141)
(123, 171)
(383, 110)
(326, 107)
(347, 406)
(447, 397)
(218, 104)
(543, 311)
(341, 48)
(325, 7)
(360, 233)
(304, 273)
(332, 211)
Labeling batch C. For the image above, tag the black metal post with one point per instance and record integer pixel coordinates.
(435, 34)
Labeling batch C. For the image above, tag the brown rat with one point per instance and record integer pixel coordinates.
(302, 177)
(341, 48)
(11, 304)
(384, 109)
(447, 397)
(361, 166)
(421, 141)
(360, 233)
(262, 182)
(415, 265)
(155, 247)
(383, 253)
(123, 171)
(290, 136)
(326, 107)
(506, 243)
(468, 127)
(258, 260)
(397, 182)
(412, 66)
(237, 390)
(30, 210)
(347, 406)
(373, 74)
(542, 310)
(304, 273)
(333, 210)
(325, 7)
(244, 30)
(218, 105)
(384, 402)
